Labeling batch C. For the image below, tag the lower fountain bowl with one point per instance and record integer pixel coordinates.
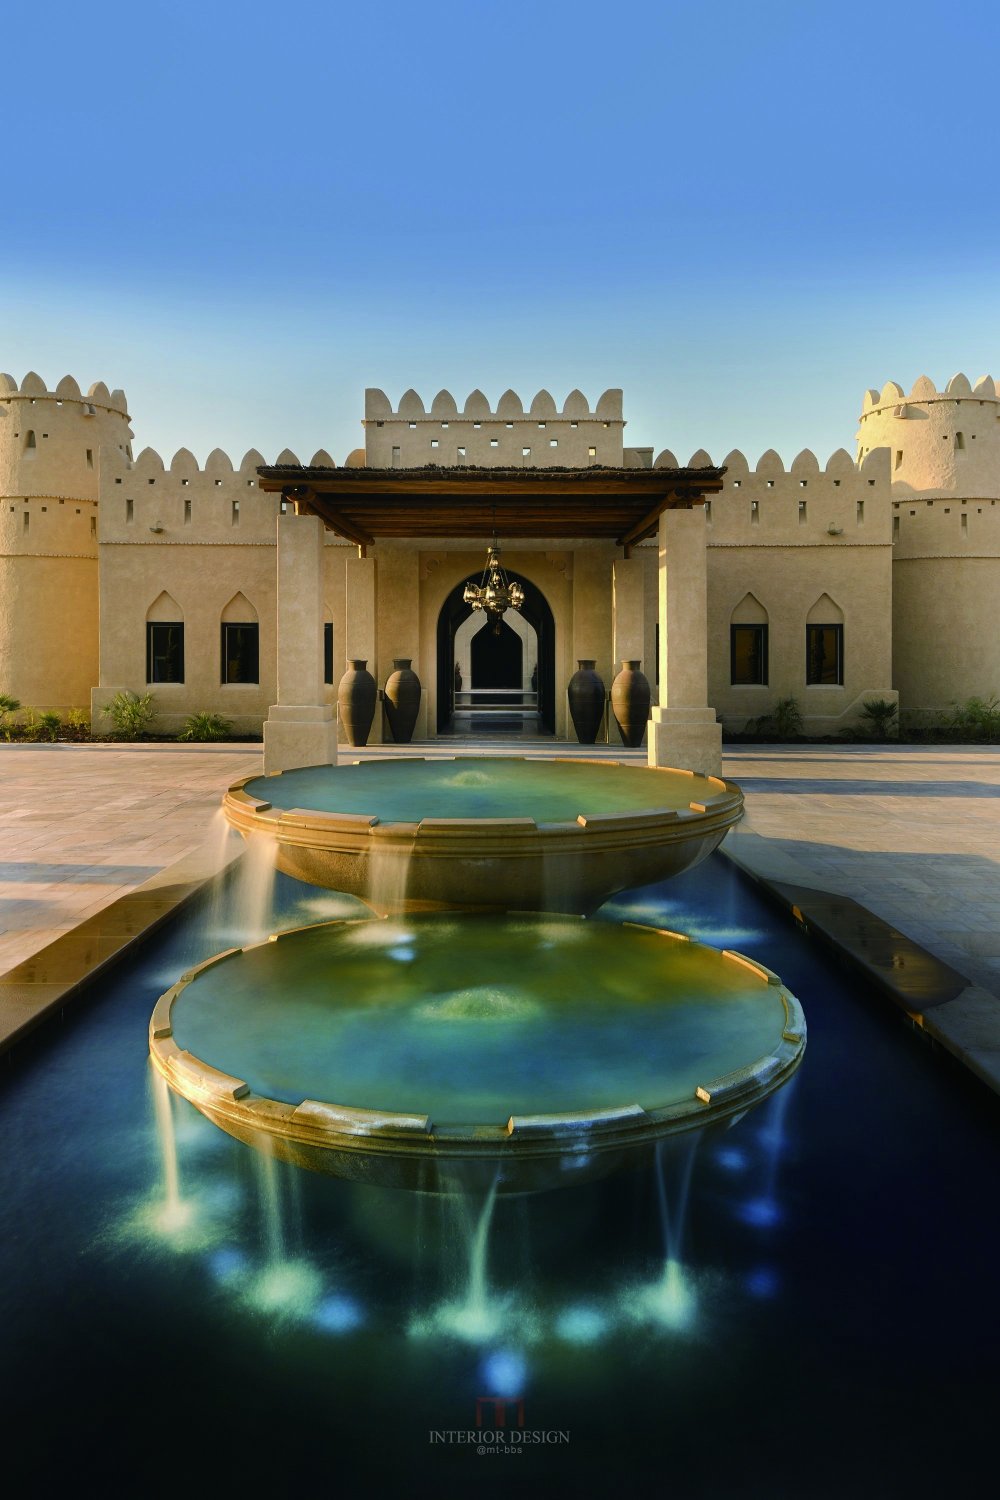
(485, 833)
(447, 1052)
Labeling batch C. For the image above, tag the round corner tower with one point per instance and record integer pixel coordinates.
(50, 444)
(945, 463)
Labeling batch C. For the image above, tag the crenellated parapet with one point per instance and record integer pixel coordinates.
(52, 443)
(576, 407)
(942, 442)
(843, 504)
(33, 388)
(51, 440)
(149, 502)
(539, 435)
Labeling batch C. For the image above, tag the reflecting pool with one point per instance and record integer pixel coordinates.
(803, 1305)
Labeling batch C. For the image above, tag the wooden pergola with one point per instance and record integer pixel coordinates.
(361, 505)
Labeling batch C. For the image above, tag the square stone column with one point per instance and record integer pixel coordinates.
(629, 613)
(399, 594)
(683, 731)
(628, 596)
(362, 627)
(301, 730)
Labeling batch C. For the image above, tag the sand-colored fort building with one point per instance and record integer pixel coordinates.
(243, 589)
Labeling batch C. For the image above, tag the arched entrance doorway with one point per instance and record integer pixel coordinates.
(523, 655)
(497, 657)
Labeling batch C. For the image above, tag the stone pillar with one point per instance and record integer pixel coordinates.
(592, 619)
(301, 730)
(399, 594)
(629, 609)
(683, 731)
(361, 627)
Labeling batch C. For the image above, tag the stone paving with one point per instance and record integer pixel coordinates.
(910, 833)
(82, 825)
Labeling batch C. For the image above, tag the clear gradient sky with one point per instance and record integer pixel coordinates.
(743, 213)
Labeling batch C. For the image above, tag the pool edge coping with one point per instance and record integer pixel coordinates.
(967, 1025)
(40, 986)
(966, 1022)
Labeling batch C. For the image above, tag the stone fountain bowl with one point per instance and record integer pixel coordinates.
(444, 1053)
(485, 833)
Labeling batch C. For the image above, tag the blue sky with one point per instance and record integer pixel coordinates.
(743, 213)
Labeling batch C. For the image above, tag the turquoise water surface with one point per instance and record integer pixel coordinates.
(475, 787)
(470, 1020)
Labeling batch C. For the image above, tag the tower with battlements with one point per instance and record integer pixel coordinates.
(50, 445)
(943, 451)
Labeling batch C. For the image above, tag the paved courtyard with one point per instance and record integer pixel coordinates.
(82, 825)
(910, 832)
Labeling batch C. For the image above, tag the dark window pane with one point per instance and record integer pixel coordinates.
(164, 651)
(748, 654)
(825, 654)
(328, 652)
(240, 653)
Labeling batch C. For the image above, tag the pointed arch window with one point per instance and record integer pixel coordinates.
(164, 641)
(825, 644)
(328, 650)
(240, 649)
(748, 644)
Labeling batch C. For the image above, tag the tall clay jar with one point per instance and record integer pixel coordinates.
(586, 701)
(356, 698)
(402, 700)
(630, 698)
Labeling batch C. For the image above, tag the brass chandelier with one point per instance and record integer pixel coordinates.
(494, 593)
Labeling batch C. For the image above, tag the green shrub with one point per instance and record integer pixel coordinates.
(48, 725)
(78, 724)
(976, 719)
(205, 726)
(28, 729)
(130, 713)
(879, 718)
(8, 705)
(784, 722)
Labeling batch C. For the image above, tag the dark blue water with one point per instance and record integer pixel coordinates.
(833, 1332)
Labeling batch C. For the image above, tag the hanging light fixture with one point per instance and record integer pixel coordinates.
(494, 593)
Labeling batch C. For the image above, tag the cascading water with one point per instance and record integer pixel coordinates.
(175, 1213)
(218, 917)
(252, 896)
(388, 877)
(269, 1197)
(670, 1299)
(287, 1283)
(478, 1314)
(763, 1210)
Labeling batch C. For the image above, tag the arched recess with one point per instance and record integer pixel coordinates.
(825, 612)
(164, 640)
(535, 612)
(825, 644)
(497, 657)
(524, 669)
(749, 611)
(239, 611)
(240, 642)
(165, 609)
(748, 643)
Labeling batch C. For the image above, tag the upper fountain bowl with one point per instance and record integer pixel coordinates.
(485, 833)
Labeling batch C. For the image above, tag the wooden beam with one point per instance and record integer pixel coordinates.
(344, 526)
(647, 525)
